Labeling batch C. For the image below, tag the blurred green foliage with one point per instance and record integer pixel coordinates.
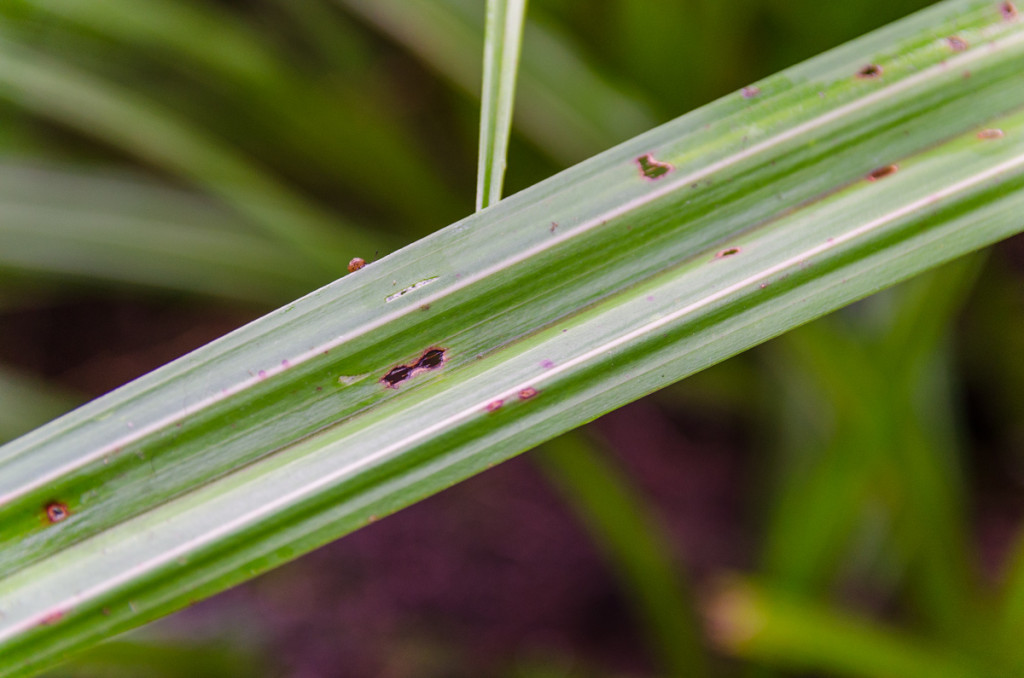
(234, 152)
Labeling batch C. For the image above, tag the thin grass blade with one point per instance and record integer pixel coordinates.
(502, 38)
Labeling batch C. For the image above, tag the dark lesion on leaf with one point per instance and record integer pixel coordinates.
(56, 511)
(1008, 10)
(431, 359)
(652, 169)
(870, 72)
(396, 375)
(881, 172)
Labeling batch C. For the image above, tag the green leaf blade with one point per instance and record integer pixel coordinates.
(556, 305)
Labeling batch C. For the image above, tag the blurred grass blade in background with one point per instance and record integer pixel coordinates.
(119, 229)
(320, 120)
(634, 544)
(656, 259)
(751, 622)
(502, 38)
(563, 105)
(29, 402)
(59, 92)
(138, 658)
(876, 450)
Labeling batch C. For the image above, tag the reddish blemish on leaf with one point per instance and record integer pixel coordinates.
(262, 374)
(957, 44)
(356, 264)
(547, 364)
(554, 225)
(494, 405)
(882, 172)
(651, 169)
(527, 393)
(870, 72)
(1008, 10)
(52, 618)
(992, 133)
(727, 253)
(57, 512)
(750, 91)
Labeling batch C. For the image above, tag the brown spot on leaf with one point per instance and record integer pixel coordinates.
(527, 393)
(651, 169)
(870, 72)
(750, 91)
(1008, 10)
(727, 253)
(882, 172)
(494, 405)
(356, 264)
(57, 512)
